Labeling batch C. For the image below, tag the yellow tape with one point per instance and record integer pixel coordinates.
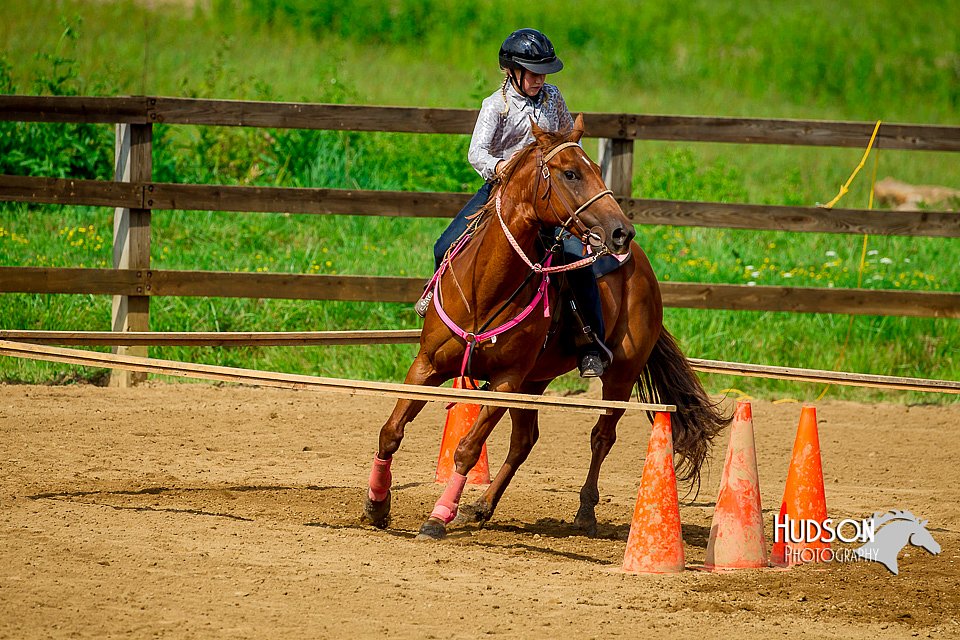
(863, 261)
(846, 186)
(741, 395)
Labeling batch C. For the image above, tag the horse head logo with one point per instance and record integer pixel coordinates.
(898, 528)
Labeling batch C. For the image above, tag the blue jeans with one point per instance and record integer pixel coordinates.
(459, 223)
(583, 285)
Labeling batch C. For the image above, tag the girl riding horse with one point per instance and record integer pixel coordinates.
(503, 128)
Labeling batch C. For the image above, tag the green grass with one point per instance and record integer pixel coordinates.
(715, 58)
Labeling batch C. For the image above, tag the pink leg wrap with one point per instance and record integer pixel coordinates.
(446, 507)
(380, 479)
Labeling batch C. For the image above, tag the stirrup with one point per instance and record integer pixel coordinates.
(591, 365)
(423, 304)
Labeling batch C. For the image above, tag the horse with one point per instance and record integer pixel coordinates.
(898, 528)
(491, 280)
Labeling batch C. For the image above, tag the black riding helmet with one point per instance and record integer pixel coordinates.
(531, 50)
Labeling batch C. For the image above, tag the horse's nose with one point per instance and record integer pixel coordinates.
(622, 236)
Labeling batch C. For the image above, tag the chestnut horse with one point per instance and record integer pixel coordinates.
(550, 183)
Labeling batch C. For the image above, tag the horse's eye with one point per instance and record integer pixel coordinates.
(570, 175)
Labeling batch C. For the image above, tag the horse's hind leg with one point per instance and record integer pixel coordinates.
(376, 507)
(602, 439)
(524, 435)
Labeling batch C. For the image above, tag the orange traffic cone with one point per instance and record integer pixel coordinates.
(655, 544)
(797, 532)
(460, 417)
(736, 536)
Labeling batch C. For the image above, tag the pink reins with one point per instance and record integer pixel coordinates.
(540, 268)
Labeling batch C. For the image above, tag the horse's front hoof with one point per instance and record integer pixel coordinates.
(377, 513)
(432, 529)
(472, 513)
(586, 521)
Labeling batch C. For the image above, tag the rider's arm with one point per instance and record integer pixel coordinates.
(484, 149)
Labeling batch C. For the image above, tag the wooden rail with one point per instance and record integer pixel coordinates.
(828, 377)
(410, 336)
(293, 381)
(213, 338)
(624, 126)
(296, 286)
(190, 197)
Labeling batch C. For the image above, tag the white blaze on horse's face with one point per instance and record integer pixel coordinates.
(594, 213)
(608, 225)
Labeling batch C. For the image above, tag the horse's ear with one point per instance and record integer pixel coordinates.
(539, 134)
(577, 132)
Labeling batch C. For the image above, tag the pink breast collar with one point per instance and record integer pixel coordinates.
(473, 339)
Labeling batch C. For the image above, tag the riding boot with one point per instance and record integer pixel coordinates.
(423, 304)
(593, 354)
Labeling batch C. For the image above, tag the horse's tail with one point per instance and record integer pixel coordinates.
(668, 378)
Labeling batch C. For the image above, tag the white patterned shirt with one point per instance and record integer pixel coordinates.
(498, 135)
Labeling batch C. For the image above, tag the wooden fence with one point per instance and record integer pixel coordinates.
(134, 195)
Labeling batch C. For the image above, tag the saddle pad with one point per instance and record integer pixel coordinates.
(608, 263)
(574, 250)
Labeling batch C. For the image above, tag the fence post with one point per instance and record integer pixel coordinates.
(131, 240)
(616, 164)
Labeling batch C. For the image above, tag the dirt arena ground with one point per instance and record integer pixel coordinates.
(201, 511)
